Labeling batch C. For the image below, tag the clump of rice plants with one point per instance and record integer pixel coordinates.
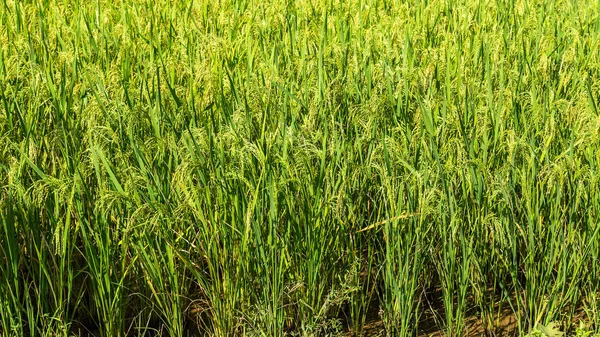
(299, 168)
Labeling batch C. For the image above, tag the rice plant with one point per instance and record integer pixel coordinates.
(299, 168)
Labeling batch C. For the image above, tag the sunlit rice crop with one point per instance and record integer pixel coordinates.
(299, 168)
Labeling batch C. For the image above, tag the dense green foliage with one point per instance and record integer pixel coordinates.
(294, 168)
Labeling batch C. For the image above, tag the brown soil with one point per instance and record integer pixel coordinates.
(430, 324)
(506, 326)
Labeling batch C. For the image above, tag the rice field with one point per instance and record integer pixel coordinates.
(299, 168)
